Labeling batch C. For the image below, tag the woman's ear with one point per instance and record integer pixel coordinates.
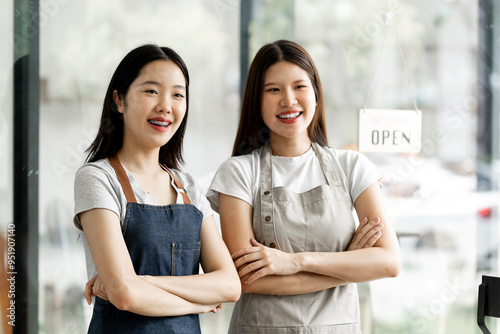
(118, 101)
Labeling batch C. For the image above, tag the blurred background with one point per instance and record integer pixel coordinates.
(56, 60)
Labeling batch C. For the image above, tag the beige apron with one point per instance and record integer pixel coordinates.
(319, 220)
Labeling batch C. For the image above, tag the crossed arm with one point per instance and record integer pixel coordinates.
(270, 271)
(157, 295)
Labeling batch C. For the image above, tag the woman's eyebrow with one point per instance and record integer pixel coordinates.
(295, 82)
(150, 82)
(156, 83)
(179, 87)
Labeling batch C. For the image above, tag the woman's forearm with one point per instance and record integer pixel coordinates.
(141, 297)
(296, 284)
(208, 288)
(353, 266)
(321, 271)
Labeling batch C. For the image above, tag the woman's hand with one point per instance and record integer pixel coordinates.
(94, 287)
(367, 234)
(263, 261)
(217, 308)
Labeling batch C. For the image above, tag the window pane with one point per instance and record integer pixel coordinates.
(6, 145)
(431, 196)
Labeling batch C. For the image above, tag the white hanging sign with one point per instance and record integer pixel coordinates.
(383, 130)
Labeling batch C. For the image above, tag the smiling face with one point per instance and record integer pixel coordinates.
(288, 101)
(154, 105)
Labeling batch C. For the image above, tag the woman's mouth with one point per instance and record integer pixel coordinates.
(289, 117)
(162, 124)
(159, 125)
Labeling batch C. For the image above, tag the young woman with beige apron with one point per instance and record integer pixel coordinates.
(319, 220)
(304, 210)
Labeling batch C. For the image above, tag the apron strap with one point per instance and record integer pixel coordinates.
(266, 196)
(123, 179)
(127, 188)
(179, 186)
(326, 165)
(334, 173)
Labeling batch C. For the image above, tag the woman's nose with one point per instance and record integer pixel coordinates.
(164, 105)
(288, 99)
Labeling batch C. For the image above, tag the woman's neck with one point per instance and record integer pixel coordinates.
(289, 147)
(139, 161)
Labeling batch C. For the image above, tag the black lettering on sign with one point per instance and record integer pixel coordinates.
(397, 137)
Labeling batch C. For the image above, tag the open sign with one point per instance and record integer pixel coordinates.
(383, 130)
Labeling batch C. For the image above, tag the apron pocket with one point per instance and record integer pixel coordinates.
(185, 258)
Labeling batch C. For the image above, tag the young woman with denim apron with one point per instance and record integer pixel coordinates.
(287, 204)
(146, 224)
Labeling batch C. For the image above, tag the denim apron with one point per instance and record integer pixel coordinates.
(162, 241)
(319, 220)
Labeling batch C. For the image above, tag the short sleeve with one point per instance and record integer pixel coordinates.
(93, 190)
(234, 178)
(204, 205)
(359, 170)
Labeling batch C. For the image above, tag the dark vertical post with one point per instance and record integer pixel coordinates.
(484, 95)
(25, 171)
(245, 19)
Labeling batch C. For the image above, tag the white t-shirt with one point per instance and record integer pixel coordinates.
(97, 186)
(240, 176)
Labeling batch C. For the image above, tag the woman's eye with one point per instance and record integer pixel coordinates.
(180, 96)
(151, 91)
(300, 86)
(273, 90)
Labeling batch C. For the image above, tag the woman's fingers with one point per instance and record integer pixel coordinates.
(249, 258)
(255, 243)
(258, 274)
(254, 266)
(94, 287)
(217, 308)
(100, 290)
(260, 261)
(374, 238)
(88, 294)
(244, 251)
(373, 233)
(367, 234)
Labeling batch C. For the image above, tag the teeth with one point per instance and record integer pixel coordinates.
(163, 124)
(289, 115)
